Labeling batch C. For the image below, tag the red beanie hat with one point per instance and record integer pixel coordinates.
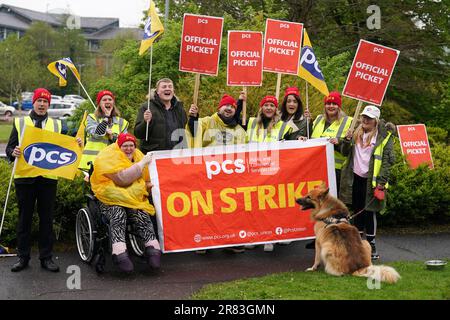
(42, 93)
(269, 99)
(124, 137)
(292, 90)
(334, 97)
(226, 100)
(104, 93)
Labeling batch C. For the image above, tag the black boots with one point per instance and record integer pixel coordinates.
(123, 262)
(374, 254)
(20, 265)
(49, 265)
(153, 257)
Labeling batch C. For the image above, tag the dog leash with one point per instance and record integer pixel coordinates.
(360, 211)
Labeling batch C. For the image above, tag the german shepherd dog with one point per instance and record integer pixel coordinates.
(338, 244)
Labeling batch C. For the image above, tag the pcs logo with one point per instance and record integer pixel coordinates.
(48, 156)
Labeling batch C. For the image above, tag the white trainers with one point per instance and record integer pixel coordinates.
(268, 247)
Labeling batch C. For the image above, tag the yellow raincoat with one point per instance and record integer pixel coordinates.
(112, 160)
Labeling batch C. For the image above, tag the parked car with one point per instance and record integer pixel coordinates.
(26, 105)
(61, 109)
(6, 110)
(74, 98)
(56, 98)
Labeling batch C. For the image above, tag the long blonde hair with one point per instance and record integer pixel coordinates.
(359, 132)
(341, 114)
(259, 121)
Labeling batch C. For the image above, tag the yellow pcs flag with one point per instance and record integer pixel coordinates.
(309, 67)
(59, 69)
(82, 129)
(153, 29)
(48, 153)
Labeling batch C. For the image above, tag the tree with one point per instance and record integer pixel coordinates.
(19, 67)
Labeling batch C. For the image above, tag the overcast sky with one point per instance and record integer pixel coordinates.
(128, 11)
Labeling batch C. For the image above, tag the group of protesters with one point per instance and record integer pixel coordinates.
(363, 158)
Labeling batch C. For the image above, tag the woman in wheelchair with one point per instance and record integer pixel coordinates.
(121, 183)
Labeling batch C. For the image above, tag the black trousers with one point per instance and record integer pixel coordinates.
(42, 192)
(366, 220)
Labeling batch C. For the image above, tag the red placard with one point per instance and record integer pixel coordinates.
(415, 146)
(282, 46)
(200, 44)
(237, 195)
(245, 52)
(370, 73)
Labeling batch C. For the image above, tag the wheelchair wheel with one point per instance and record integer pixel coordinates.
(137, 244)
(85, 235)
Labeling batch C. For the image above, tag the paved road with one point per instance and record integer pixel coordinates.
(182, 274)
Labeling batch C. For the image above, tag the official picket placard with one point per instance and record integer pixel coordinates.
(414, 142)
(236, 195)
(370, 73)
(48, 153)
(245, 56)
(200, 44)
(282, 46)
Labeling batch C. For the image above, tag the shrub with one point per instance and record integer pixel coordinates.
(419, 196)
(69, 199)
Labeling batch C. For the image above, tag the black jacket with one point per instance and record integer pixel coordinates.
(158, 135)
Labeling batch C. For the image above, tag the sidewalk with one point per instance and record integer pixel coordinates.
(182, 274)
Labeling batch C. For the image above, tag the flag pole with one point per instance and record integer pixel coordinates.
(277, 94)
(7, 195)
(196, 88)
(307, 109)
(244, 107)
(149, 88)
(10, 182)
(355, 116)
(89, 97)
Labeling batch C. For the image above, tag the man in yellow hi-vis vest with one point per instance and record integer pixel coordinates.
(32, 190)
(222, 128)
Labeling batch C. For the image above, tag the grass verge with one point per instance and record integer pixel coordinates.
(5, 131)
(416, 283)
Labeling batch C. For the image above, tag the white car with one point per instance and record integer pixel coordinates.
(61, 109)
(6, 110)
(74, 99)
(56, 98)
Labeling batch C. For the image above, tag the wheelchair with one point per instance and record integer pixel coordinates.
(92, 234)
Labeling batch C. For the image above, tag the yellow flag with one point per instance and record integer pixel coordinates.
(309, 67)
(48, 153)
(59, 69)
(153, 29)
(82, 128)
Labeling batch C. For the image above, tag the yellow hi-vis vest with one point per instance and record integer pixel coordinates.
(212, 131)
(338, 129)
(276, 134)
(95, 145)
(50, 125)
(378, 160)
